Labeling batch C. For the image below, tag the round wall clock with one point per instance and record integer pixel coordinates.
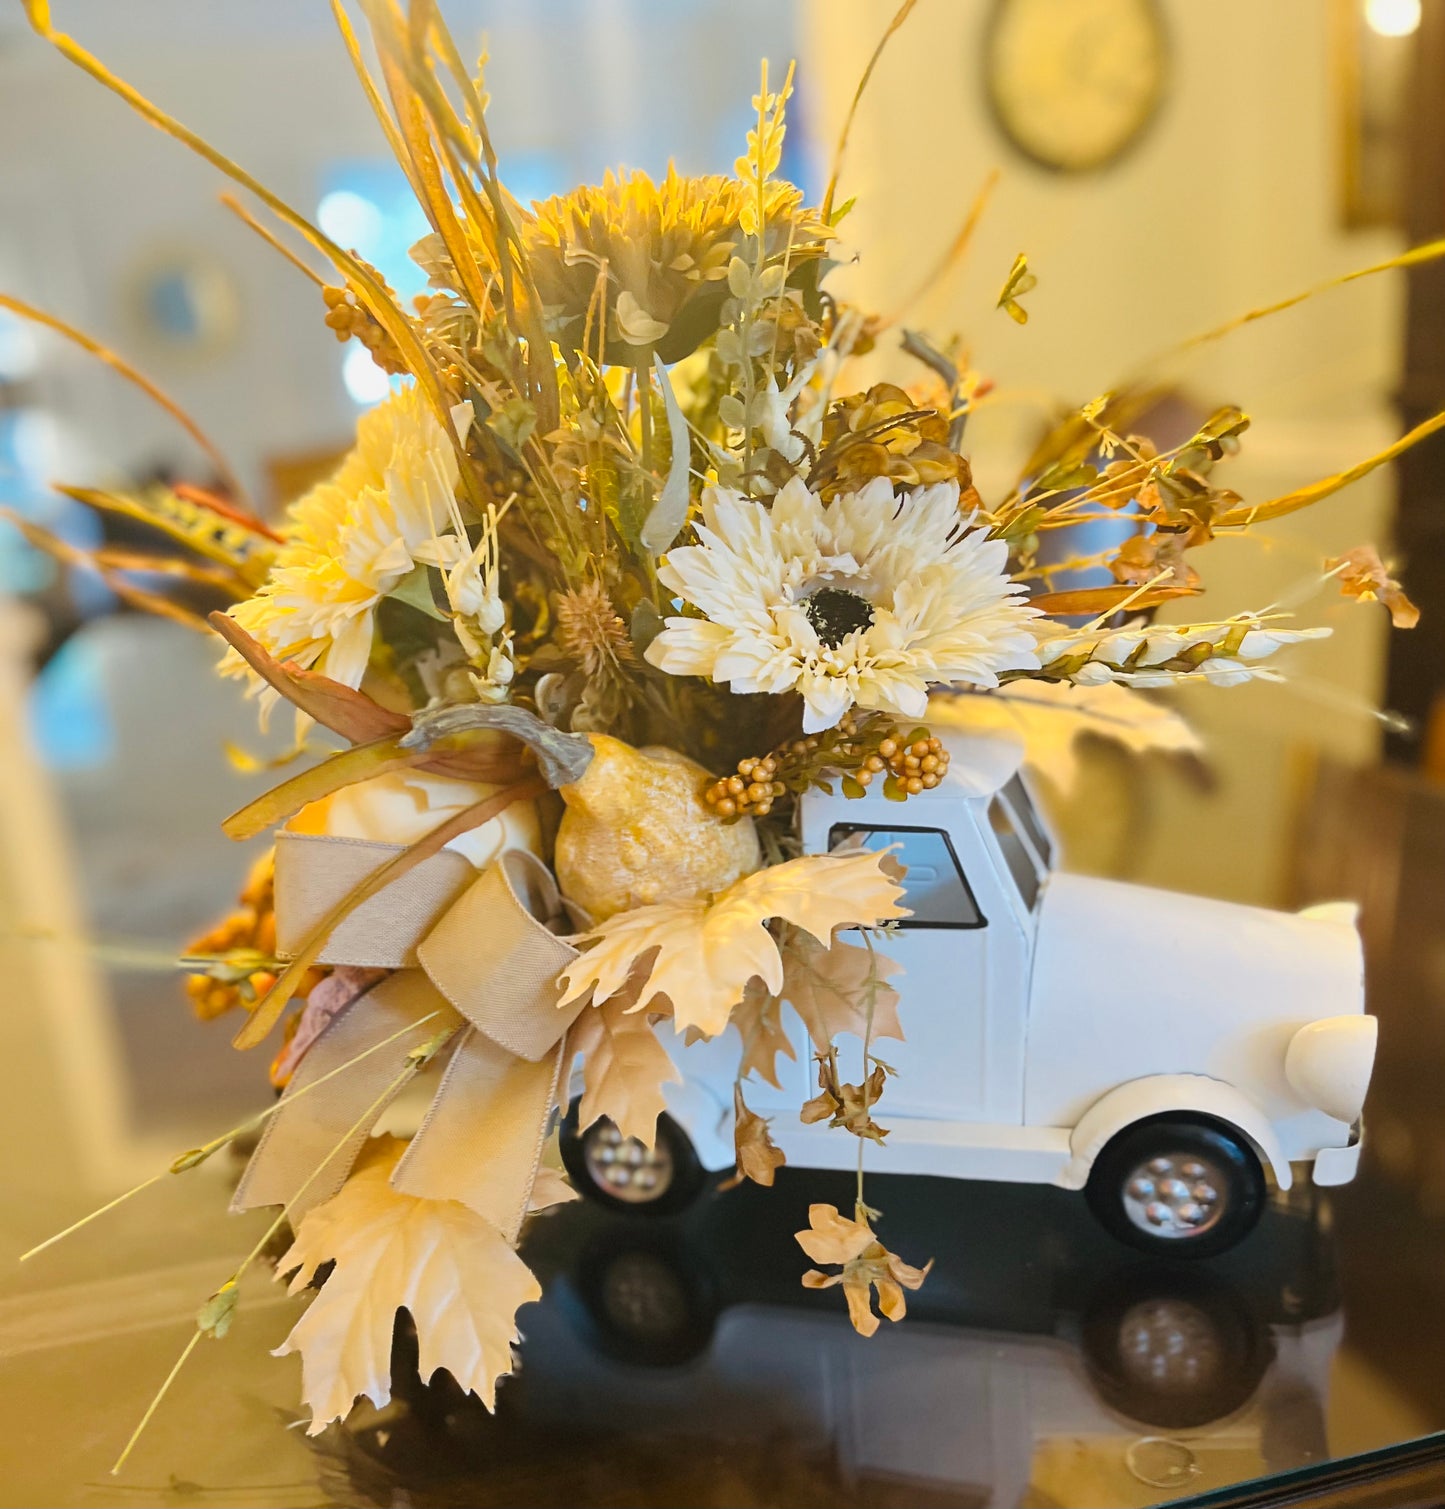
(1073, 84)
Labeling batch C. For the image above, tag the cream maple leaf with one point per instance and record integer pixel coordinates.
(624, 1067)
(701, 954)
(1049, 717)
(454, 1272)
(550, 1188)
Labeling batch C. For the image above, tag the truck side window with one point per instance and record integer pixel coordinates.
(1021, 864)
(934, 889)
(1016, 794)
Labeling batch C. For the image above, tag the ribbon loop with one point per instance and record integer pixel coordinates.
(497, 963)
(315, 874)
(470, 951)
(299, 1139)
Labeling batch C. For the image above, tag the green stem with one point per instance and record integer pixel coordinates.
(416, 1061)
(145, 1419)
(644, 413)
(872, 999)
(194, 1156)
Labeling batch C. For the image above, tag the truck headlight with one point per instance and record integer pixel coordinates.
(1328, 1064)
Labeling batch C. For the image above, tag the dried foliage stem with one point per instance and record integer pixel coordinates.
(123, 368)
(271, 239)
(82, 560)
(1303, 497)
(369, 288)
(957, 250)
(1430, 251)
(870, 1005)
(899, 17)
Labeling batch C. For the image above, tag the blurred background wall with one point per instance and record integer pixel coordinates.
(1231, 197)
(1268, 162)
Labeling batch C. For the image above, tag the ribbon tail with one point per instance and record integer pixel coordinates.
(298, 1158)
(482, 1139)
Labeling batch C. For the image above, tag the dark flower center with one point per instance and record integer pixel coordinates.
(836, 613)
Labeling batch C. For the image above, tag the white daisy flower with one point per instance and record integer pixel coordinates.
(865, 601)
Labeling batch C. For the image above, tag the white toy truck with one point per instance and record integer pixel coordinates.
(1157, 1051)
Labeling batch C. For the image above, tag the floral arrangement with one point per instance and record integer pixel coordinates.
(623, 567)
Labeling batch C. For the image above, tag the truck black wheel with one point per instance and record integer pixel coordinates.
(1181, 1186)
(622, 1174)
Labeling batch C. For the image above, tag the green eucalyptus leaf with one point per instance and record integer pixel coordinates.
(415, 589)
(669, 513)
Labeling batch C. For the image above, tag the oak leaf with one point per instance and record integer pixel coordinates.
(865, 1263)
(550, 1188)
(759, 1157)
(830, 987)
(758, 1018)
(1366, 578)
(453, 1271)
(701, 954)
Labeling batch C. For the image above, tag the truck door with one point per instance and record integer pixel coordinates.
(949, 996)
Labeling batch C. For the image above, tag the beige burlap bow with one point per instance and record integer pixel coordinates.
(472, 952)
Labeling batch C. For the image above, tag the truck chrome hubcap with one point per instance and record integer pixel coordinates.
(623, 1167)
(1176, 1195)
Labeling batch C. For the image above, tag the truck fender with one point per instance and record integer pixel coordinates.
(1161, 1093)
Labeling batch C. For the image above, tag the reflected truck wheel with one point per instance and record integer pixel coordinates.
(623, 1174)
(1173, 1349)
(645, 1304)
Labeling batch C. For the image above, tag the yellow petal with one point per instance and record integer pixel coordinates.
(833, 1238)
(856, 1291)
(890, 1299)
(812, 1279)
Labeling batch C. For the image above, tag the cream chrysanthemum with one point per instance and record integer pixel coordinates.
(865, 601)
(351, 540)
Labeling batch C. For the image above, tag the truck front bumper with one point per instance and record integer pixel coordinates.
(1337, 1165)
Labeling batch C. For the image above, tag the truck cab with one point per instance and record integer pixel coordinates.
(1160, 1052)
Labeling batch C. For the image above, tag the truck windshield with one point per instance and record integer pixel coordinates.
(934, 889)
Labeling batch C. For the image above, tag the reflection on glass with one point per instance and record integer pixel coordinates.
(1044, 1365)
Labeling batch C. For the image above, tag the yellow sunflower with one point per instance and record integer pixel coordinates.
(666, 249)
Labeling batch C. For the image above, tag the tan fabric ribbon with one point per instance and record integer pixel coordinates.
(472, 953)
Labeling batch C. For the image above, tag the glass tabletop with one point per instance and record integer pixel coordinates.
(679, 1360)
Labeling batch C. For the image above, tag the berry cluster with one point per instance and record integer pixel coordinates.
(348, 319)
(749, 793)
(857, 752)
(914, 765)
